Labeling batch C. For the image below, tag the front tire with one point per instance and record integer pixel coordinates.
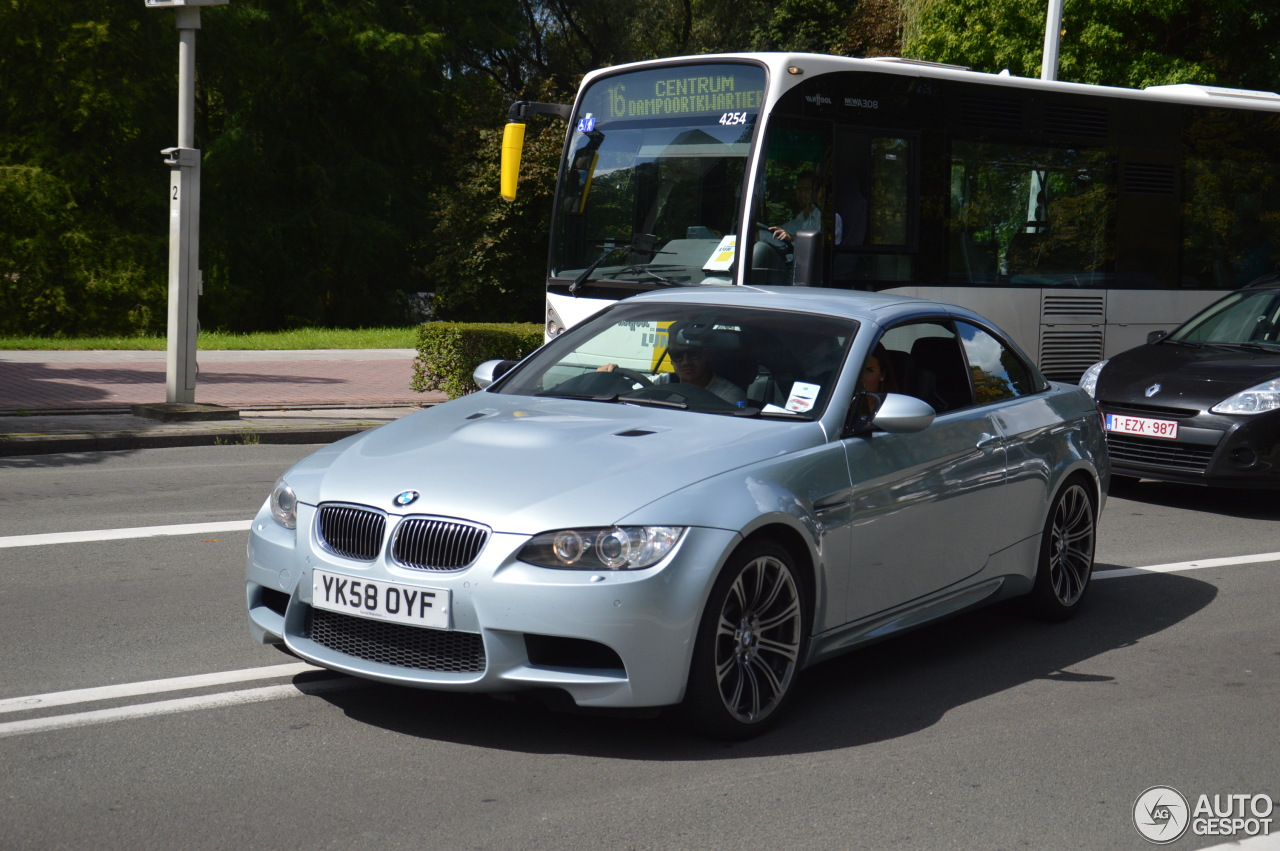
(750, 643)
(1066, 553)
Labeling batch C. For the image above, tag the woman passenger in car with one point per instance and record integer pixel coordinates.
(877, 377)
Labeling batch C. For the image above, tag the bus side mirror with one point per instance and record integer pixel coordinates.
(808, 258)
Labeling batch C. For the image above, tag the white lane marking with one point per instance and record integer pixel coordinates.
(87, 695)
(1269, 842)
(1177, 567)
(124, 534)
(168, 707)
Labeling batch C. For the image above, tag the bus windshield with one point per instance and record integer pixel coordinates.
(652, 183)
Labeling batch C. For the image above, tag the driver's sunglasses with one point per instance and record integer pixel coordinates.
(683, 354)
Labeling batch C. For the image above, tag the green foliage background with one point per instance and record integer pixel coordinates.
(351, 146)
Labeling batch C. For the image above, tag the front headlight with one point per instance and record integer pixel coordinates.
(284, 505)
(610, 548)
(1089, 381)
(1258, 399)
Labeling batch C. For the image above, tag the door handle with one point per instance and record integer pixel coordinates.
(988, 441)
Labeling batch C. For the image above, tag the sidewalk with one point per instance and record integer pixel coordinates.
(80, 401)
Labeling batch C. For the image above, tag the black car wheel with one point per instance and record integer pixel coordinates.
(750, 643)
(1066, 553)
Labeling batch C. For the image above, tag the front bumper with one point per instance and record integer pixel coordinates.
(607, 638)
(1211, 449)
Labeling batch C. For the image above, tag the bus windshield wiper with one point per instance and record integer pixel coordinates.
(609, 248)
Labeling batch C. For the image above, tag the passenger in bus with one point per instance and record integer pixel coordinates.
(809, 216)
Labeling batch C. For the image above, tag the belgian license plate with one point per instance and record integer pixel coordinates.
(411, 605)
(1144, 426)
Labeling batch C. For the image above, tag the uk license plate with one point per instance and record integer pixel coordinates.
(1144, 426)
(411, 605)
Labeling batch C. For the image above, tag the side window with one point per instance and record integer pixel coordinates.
(997, 371)
(796, 197)
(926, 361)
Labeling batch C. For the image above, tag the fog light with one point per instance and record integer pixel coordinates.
(1244, 457)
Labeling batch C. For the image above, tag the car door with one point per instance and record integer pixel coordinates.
(926, 506)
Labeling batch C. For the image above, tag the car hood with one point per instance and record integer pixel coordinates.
(524, 464)
(1188, 377)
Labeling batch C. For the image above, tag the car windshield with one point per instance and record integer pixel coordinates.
(709, 359)
(652, 184)
(1248, 318)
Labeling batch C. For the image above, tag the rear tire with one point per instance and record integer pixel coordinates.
(1066, 553)
(750, 644)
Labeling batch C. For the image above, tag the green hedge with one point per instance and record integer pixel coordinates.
(448, 352)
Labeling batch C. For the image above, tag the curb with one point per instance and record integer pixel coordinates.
(43, 444)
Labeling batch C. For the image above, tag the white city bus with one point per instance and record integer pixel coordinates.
(1078, 217)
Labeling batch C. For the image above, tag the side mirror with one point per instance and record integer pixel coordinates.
(896, 414)
(808, 258)
(490, 371)
(1157, 336)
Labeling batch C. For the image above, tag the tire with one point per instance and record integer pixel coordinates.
(750, 644)
(1066, 553)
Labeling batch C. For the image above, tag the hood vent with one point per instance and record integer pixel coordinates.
(635, 432)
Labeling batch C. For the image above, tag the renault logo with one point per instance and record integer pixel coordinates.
(1152, 390)
(406, 498)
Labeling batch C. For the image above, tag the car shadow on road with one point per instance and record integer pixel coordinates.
(1247, 504)
(881, 692)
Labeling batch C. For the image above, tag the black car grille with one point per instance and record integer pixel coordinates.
(429, 543)
(1149, 410)
(1169, 454)
(419, 648)
(352, 532)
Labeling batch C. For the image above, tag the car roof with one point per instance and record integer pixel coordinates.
(1268, 281)
(850, 304)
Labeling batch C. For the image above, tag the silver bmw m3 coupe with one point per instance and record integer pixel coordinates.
(687, 500)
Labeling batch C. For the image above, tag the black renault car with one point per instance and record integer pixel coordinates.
(1200, 405)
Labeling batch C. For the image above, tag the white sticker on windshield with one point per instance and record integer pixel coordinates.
(722, 258)
(802, 396)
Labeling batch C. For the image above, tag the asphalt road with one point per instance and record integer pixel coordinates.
(988, 731)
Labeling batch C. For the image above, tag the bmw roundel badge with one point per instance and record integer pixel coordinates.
(406, 498)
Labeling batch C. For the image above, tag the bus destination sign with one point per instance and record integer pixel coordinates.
(704, 94)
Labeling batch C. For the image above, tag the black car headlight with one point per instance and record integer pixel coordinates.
(608, 548)
(1258, 399)
(1089, 381)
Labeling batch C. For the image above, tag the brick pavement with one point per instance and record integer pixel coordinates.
(43, 381)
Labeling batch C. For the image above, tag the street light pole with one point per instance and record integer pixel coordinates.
(185, 280)
(1052, 36)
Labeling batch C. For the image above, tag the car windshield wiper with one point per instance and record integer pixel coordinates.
(1250, 346)
(586, 397)
(653, 403)
(1186, 343)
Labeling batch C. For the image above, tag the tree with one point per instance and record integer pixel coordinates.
(1112, 42)
(82, 122)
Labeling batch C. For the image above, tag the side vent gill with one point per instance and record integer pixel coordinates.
(635, 432)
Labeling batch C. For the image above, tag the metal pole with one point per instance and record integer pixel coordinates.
(1052, 35)
(184, 222)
